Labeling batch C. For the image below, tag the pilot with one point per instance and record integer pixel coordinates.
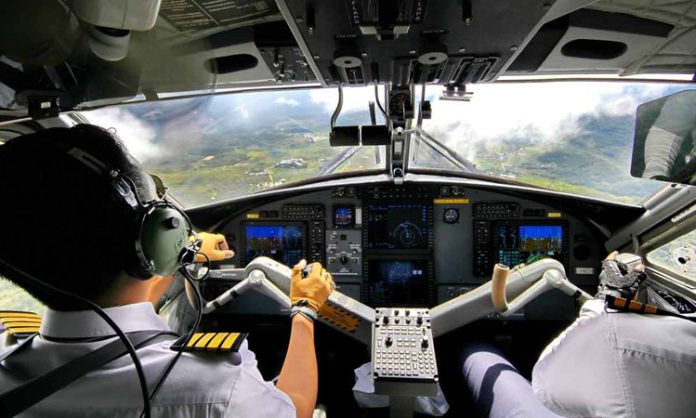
(605, 364)
(60, 224)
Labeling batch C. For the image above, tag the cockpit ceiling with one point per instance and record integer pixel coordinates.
(614, 37)
(677, 52)
(85, 55)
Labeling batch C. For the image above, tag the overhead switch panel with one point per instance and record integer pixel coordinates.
(431, 41)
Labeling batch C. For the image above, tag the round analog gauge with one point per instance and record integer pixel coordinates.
(451, 215)
(397, 104)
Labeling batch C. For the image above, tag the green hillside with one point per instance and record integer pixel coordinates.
(13, 298)
(595, 161)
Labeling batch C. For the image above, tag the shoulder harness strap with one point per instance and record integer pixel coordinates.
(17, 399)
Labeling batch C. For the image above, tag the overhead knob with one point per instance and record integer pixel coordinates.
(343, 259)
(388, 341)
(424, 342)
(432, 52)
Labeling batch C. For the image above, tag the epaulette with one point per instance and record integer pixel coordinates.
(20, 324)
(625, 305)
(221, 342)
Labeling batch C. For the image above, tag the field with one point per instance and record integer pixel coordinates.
(13, 298)
(206, 154)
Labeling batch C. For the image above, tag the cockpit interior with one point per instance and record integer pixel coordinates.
(347, 132)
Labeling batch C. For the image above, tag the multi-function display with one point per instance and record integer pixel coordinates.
(515, 243)
(394, 282)
(282, 242)
(397, 226)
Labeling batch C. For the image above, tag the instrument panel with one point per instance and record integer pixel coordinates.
(413, 245)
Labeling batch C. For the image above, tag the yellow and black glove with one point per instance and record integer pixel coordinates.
(214, 246)
(309, 288)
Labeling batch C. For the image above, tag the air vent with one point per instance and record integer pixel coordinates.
(593, 49)
(231, 63)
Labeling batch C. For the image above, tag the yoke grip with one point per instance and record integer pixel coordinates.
(501, 272)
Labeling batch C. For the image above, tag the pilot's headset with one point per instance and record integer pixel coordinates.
(160, 230)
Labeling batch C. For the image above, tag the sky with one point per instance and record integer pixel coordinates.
(543, 111)
(137, 134)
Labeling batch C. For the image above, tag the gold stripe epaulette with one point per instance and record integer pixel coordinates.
(221, 342)
(20, 324)
(630, 305)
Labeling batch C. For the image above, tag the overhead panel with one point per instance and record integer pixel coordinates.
(355, 42)
(201, 14)
(592, 41)
(677, 52)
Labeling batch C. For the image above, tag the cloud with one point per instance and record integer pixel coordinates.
(355, 99)
(242, 110)
(540, 112)
(285, 101)
(137, 135)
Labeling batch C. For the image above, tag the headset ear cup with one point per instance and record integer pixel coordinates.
(164, 235)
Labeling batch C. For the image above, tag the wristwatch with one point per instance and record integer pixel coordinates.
(302, 307)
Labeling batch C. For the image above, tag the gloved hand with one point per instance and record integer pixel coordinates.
(313, 290)
(214, 246)
(615, 282)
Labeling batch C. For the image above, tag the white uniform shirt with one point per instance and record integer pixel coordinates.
(619, 365)
(200, 385)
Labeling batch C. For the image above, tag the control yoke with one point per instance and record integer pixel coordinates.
(521, 285)
(550, 279)
(272, 279)
(402, 339)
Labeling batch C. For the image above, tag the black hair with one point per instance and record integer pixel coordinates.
(60, 221)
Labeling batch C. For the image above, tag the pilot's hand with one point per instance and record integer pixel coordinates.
(615, 282)
(214, 246)
(313, 290)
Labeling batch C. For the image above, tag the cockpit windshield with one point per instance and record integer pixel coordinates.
(572, 137)
(213, 148)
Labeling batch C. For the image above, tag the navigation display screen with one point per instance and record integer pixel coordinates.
(528, 243)
(283, 243)
(395, 282)
(397, 226)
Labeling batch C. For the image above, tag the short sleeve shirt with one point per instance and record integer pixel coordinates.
(620, 365)
(200, 385)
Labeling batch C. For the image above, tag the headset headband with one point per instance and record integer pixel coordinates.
(161, 230)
